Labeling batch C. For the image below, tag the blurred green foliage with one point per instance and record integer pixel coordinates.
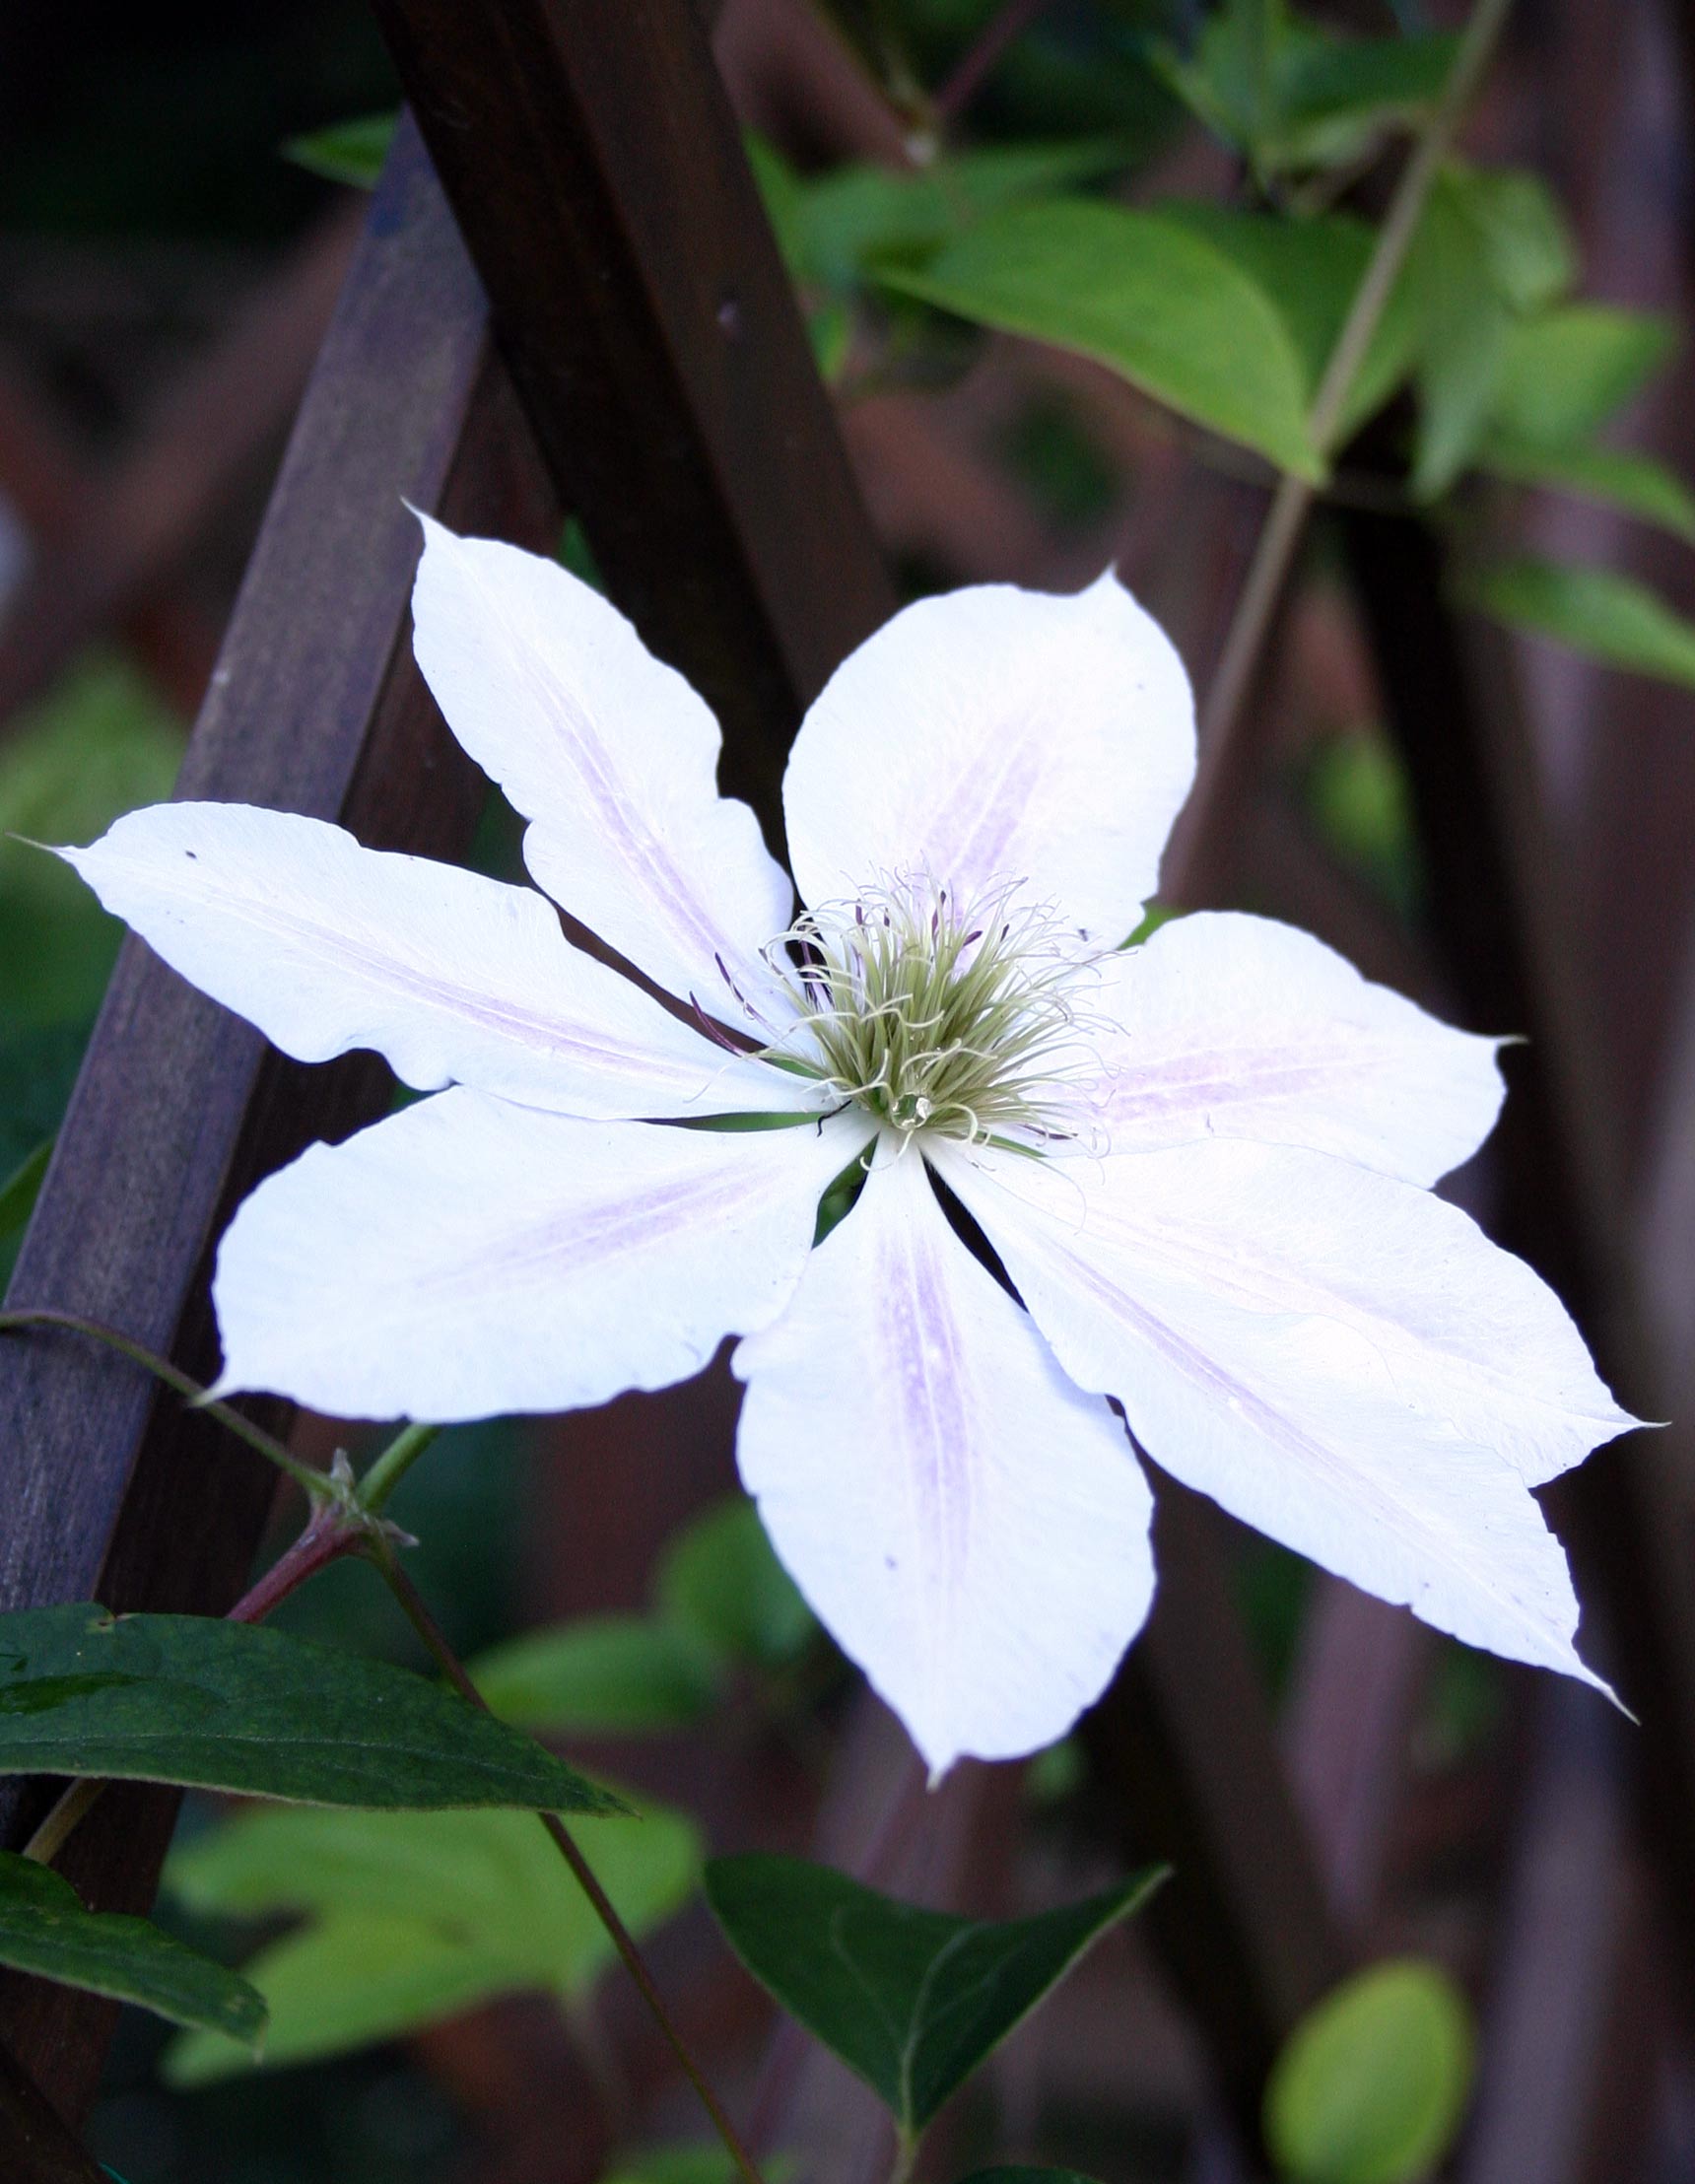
(1372, 2085)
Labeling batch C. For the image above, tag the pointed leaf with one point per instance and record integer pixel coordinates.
(225, 1706)
(1373, 2083)
(47, 1929)
(604, 1676)
(1618, 477)
(1142, 295)
(351, 152)
(721, 1584)
(412, 1917)
(913, 2000)
(1568, 370)
(1594, 611)
(1311, 269)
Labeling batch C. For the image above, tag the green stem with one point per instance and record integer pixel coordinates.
(310, 1483)
(905, 2155)
(1275, 549)
(392, 1465)
(380, 1551)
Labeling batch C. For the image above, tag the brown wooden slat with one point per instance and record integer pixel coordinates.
(315, 708)
(598, 143)
(34, 2145)
(1499, 917)
(598, 175)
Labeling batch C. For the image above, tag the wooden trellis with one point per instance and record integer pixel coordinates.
(576, 179)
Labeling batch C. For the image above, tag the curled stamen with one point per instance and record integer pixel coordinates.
(950, 1018)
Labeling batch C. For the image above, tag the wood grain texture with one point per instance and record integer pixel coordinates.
(107, 1490)
(598, 175)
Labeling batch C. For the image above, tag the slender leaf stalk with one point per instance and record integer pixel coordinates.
(1274, 550)
(392, 1465)
(310, 1483)
(412, 1605)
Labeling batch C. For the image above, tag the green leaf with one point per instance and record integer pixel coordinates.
(350, 152)
(97, 744)
(1338, 95)
(412, 1917)
(1311, 269)
(720, 1581)
(1465, 323)
(1373, 2083)
(1593, 611)
(23, 1187)
(1295, 96)
(1568, 370)
(834, 226)
(614, 1674)
(1619, 477)
(1491, 248)
(45, 1928)
(913, 2000)
(685, 2165)
(1143, 294)
(225, 1706)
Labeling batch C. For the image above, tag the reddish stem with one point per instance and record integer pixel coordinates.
(963, 86)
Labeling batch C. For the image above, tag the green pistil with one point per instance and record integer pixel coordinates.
(935, 1018)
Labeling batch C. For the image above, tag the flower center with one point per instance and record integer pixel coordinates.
(955, 1019)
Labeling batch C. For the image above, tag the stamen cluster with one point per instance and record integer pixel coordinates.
(937, 1016)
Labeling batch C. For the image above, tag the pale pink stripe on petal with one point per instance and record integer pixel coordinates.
(613, 759)
(971, 1528)
(467, 1258)
(993, 735)
(454, 978)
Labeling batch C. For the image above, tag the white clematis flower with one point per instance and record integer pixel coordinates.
(1203, 1162)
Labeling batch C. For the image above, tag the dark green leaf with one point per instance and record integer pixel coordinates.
(351, 152)
(21, 1188)
(225, 1706)
(1143, 294)
(45, 1928)
(1619, 477)
(1593, 611)
(719, 1581)
(412, 1917)
(1372, 2086)
(1567, 372)
(605, 1674)
(913, 2000)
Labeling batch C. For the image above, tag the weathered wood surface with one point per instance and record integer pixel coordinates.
(34, 2145)
(108, 1490)
(598, 175)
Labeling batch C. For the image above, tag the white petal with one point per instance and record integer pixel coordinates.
(614, 760)
(1230, 1026)
(997, 734)
(466, 1257)
(1339, 1433)
(454, 978)
(972, 1530)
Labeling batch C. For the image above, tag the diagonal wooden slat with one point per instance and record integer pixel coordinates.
(315, 707)
(659, 355)
(598, 175)
(35, 2147)
(1503, 925)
